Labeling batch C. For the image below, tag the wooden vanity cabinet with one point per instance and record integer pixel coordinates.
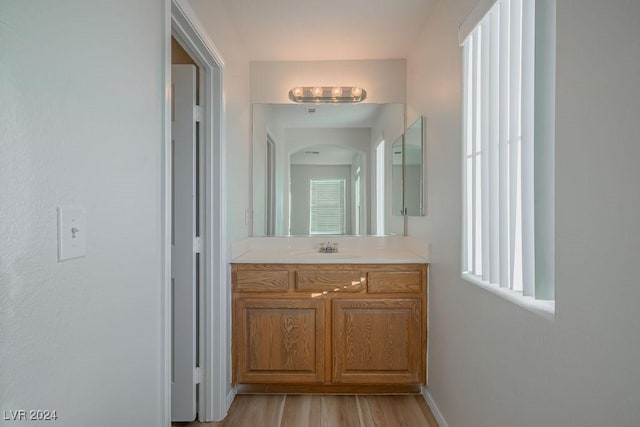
(330, 327)
(377, 341)
(281, 340)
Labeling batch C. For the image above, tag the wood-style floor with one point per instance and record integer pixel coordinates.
(325, 411)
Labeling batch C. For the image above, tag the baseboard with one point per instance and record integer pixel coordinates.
(230, 397)
(327, 389)
(434, 408)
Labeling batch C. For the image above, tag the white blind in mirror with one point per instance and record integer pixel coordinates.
(327, 206)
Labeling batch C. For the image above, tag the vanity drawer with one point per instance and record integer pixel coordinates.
(394, 281)
(262, 280)
(326, 280)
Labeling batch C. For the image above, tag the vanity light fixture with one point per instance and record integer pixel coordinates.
(336, 94)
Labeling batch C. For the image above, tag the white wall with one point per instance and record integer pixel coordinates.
(81, 96)
(384, 80)
(492, 363)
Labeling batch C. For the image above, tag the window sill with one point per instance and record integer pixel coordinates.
(546, 309)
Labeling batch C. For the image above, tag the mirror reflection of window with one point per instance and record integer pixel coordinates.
(380, 188)
(321, 163)
(327, 206)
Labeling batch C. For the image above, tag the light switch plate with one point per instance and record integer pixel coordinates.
(72, 232)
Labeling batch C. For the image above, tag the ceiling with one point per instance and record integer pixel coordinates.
(303, 30)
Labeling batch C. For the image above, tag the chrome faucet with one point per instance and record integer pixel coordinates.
(328, 248)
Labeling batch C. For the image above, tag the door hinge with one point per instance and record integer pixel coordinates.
(197, 245)
(197, 375)
(198, 113)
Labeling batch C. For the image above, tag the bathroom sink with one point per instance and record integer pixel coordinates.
(320, 256)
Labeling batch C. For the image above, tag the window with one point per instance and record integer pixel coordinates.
(327, 206)
(508, 148)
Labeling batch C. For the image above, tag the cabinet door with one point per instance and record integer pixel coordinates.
(377, 341)
(280, 340)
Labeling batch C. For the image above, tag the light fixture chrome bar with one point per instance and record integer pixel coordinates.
(335, 94)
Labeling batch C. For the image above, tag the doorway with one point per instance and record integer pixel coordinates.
(211, 311)
(186, 206)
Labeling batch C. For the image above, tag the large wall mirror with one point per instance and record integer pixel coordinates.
(324, 169)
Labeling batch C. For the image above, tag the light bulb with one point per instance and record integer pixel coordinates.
(317, 91)
(336, 91)
(297, 92)
(356, 92)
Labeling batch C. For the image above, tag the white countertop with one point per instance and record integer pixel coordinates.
(352, 250)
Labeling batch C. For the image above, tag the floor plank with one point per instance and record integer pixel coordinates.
(320, 411)
(308, 410)
(302, 411)
(255, 410)
(339, 411)
(400, 411)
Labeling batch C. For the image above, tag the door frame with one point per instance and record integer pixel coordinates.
(181, 22)
(270, 220)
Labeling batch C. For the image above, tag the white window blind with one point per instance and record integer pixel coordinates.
(327, 206)
(499, 224)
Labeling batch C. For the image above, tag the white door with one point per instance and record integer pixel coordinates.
(183, 255)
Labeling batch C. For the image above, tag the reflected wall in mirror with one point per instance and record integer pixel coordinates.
(414, 172)
(316, 168)
(397, 179)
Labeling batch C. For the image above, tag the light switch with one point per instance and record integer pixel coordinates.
(72, 232)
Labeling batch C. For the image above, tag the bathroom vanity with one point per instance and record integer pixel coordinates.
(353, 321)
